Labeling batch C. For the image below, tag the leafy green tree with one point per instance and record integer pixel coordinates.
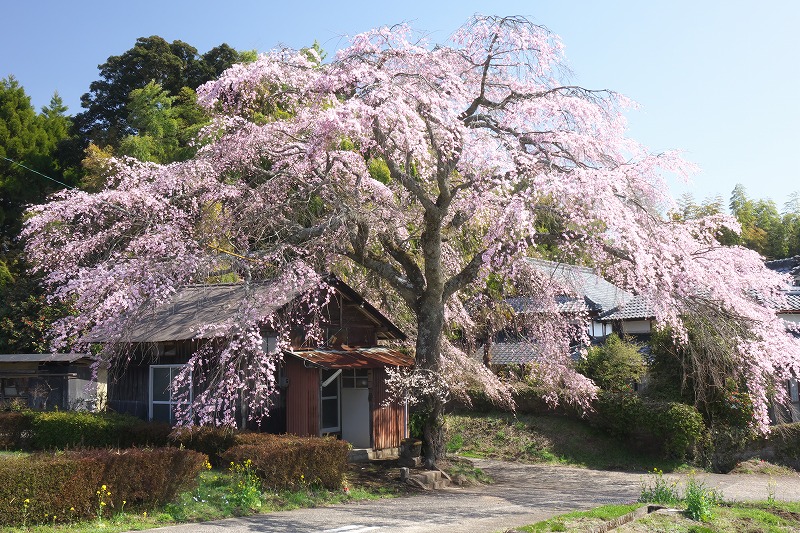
(164, 124)
(29, 143)
(791, 224)
(763, 229)
(151, 116)
(172, 66)
(701, 373)
(689, 209)
(615, 365)
(27, 139)
(25, 313)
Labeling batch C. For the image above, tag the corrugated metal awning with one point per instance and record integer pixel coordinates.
(346, 357)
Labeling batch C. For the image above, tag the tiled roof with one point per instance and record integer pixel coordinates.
(564, 304)
(792, 302)
(598, 294)
(512, 352)
(637, 308)
(517, 351)
(789, 265)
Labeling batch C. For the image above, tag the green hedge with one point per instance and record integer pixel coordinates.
(785, 443)
(49, 430)
(49, 488)
(15, 429)
(210, 440)
(676, 429)
(285, 462)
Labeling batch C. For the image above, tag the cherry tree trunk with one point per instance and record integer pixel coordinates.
(430, 315)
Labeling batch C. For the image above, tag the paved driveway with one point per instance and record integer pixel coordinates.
(521, 494)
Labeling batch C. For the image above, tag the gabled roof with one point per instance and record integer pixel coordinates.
(596, 294)
(196, 307)
(638, 308)
(203, 311)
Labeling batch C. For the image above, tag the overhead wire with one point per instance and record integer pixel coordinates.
(71, 187)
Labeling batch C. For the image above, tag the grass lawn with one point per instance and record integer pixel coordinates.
(542, 438)
(772, 517)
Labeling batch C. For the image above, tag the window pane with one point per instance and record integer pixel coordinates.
(161, 383)
(362, 383)
(333, 387)
(348, 382)
(161, 412)
(330, 414)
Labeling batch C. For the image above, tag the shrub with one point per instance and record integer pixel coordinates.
(70, 429)
(676, 429)
(15, 429)
(785, 443)
(64, 487)
(210, 440)
(35, 487)
(680, 426)
(615, 365)
(283, 462)
(139, 433)
(145, 477)
(729, 446)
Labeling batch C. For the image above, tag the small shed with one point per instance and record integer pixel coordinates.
(50, 380)
(333, 387)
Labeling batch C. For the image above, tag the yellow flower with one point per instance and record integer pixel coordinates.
(103, 487)
(145, 514)
(72, 509)
(27, 500)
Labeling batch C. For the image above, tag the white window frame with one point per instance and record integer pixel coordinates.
(171, 402)
(337, 376)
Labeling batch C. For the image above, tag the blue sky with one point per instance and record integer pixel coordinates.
(716, 79)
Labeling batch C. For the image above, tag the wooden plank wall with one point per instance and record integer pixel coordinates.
(388, 422)
(302, 399)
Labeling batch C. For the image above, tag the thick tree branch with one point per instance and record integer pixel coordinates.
(404, 178)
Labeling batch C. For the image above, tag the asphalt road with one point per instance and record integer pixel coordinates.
(521, 494)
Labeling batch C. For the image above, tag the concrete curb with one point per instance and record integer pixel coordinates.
(630, 517)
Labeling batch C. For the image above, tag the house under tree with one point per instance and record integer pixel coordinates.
(334, 387)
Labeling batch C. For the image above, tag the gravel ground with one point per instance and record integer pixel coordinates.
(521, 494)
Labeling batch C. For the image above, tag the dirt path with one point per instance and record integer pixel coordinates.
(521, 494)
